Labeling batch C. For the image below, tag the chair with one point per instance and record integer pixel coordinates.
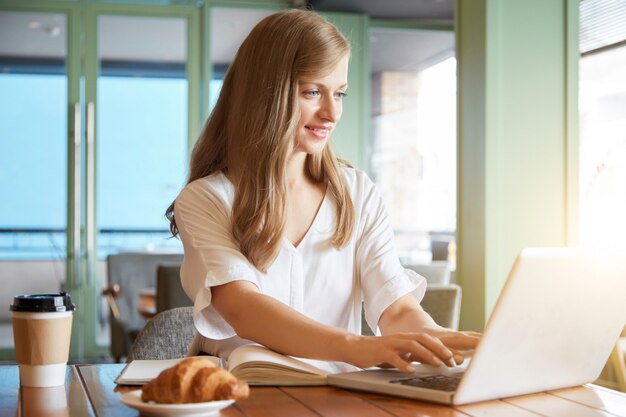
(439, 249)
(169, 290)
(128, 274)
(165, 336)
(436, 272)
(442, 302)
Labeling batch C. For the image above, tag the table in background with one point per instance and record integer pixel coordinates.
(90, 391)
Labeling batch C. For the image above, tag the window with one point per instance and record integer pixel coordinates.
(603, 148)
(602, 104)
(33, 136)
(111, 193)
(229, 27)
(141, 130)
(413, 158)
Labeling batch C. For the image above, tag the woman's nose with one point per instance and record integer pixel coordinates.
(330, 109)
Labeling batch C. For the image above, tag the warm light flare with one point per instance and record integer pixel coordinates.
(603, 150)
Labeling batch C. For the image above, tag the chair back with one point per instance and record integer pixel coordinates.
(133, 272)
(442, 302)
(167, 335)
(435, 272)
(170, 293)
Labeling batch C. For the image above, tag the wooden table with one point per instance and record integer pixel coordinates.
(90, 391)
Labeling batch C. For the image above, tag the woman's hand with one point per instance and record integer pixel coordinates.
(406, 318)
(454, 339)
(399, 350)
(458, 342)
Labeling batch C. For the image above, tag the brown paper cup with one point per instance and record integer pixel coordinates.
(42, 344)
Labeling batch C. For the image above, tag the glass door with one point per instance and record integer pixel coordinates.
(142, 93)
(98, 104)
(38, 85)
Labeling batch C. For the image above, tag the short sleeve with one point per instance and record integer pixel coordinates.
(212, 256)
(383, 279)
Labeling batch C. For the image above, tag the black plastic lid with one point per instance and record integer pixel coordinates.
(42, 303)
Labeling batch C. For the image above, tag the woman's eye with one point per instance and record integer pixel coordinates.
(312, 93)
(341, 94)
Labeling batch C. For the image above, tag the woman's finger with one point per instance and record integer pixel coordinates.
(397, 362)
(458, 357)
(418, 352)
(460, 341)
(437, 347)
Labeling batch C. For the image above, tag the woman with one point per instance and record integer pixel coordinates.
(283, 241)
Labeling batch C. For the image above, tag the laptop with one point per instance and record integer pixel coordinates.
(553, 326)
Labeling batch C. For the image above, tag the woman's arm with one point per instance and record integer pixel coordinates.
(263, 319)
(406, 315)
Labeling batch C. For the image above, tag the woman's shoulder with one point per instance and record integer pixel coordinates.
(357, 181)
(215, 185)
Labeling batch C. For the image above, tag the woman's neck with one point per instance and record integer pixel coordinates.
(296, 170)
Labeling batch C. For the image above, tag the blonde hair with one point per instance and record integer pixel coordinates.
(250, 133)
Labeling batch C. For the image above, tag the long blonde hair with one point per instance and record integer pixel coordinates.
(250, 133)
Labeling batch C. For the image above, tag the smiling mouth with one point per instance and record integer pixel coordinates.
(319, 133)
(315, 129)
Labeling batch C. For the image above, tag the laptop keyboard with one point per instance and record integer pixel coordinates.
(436, 382)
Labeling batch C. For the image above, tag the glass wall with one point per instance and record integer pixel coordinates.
(603, 148)
(33, 160)
(413, 157)
(96, 104)
(229, 27)
(602, 140)
(140, 136)
(602, 101)
(141, 132)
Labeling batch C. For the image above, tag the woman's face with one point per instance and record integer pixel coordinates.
(320, 101)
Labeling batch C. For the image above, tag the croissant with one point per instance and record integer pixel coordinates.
(212, 384)
(194, 380)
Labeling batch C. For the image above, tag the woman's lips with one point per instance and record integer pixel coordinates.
(319, 132)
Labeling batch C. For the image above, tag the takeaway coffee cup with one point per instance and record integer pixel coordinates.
(42, 328)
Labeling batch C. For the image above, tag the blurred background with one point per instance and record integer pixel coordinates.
(102, 101)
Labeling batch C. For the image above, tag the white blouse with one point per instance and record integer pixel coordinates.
(324, 283)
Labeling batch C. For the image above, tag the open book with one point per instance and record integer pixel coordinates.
(254, 364)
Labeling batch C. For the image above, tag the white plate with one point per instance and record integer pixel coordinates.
(133, 400)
